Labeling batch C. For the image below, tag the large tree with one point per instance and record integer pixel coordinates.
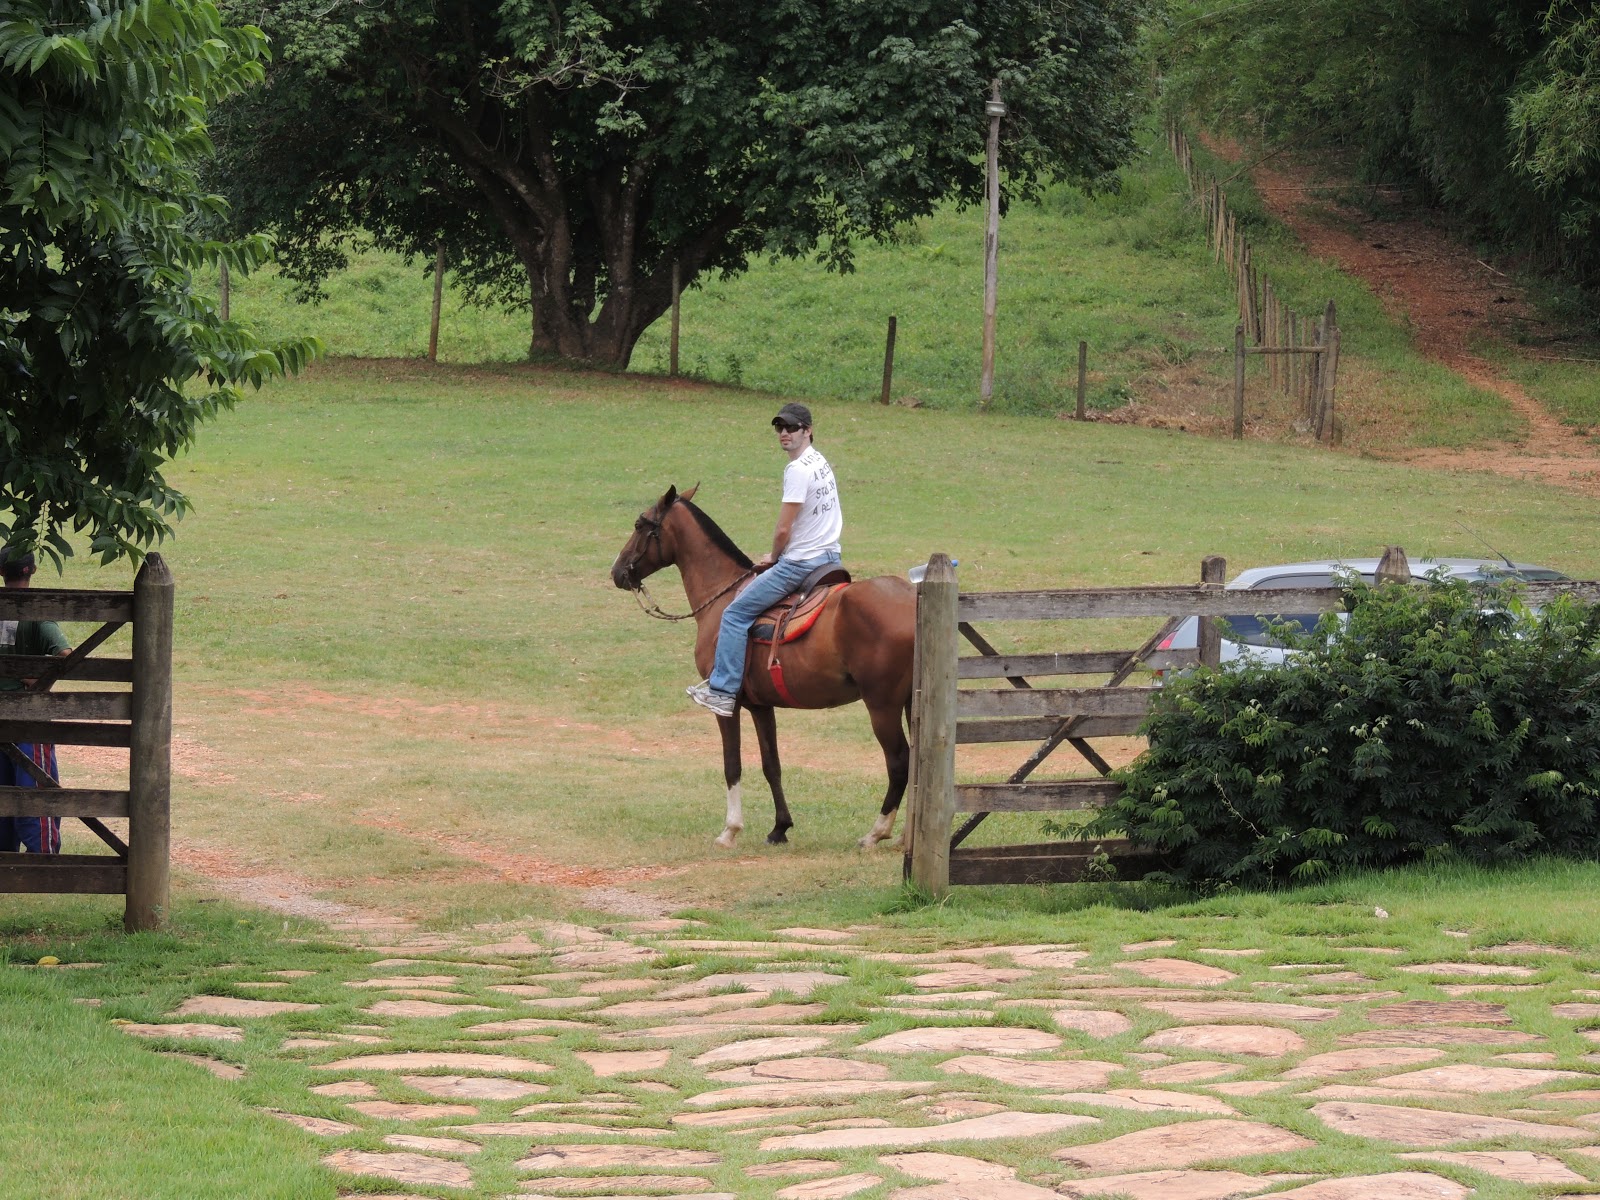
(570, 153)
(109, 356)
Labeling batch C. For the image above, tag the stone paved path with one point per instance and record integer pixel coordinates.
(649, 1059)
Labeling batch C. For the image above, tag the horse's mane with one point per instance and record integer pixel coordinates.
(714, 531)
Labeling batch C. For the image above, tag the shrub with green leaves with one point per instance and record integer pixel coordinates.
(1442, 720)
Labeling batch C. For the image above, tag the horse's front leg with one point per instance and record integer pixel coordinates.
(732, 768)
(766, 722)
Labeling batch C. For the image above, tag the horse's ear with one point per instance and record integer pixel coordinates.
(668, 500)
(689, 495)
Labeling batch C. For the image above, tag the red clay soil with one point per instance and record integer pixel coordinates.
(1451, 301)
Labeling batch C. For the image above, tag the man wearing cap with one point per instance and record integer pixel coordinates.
(36, 834)
(807, 536)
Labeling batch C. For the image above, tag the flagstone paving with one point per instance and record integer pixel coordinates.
(611, 1063)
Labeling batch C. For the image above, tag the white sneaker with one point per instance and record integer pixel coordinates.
(702, 695)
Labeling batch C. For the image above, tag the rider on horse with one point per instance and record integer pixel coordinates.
(806, 537)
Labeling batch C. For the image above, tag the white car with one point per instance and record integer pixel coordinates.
(1246, 633)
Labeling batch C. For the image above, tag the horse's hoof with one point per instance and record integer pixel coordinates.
(725, 841)
(868, 843)
(778, 837)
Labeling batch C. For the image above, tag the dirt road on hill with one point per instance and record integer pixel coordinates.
(1452, 302)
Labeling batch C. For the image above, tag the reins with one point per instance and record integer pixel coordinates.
(652, 609)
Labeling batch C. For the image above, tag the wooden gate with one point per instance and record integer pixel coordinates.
(134, 712)
(944, 715)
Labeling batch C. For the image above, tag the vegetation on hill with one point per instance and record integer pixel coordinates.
(1488, 110)
(1126, 271)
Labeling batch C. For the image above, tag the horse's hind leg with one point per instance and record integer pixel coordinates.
(766, 722)
(897, 758)
(732, 768)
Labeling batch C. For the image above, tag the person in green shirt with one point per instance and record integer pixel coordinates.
(37, 835)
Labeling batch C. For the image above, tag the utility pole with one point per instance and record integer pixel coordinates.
(995, 109)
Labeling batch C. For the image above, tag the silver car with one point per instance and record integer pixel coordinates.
(1247, 635)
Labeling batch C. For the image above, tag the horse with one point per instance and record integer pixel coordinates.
(860, 648)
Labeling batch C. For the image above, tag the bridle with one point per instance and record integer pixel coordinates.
(642, 595)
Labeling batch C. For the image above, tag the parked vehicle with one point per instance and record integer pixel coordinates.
(1247, 633)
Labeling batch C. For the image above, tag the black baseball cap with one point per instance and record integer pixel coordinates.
(793, 414)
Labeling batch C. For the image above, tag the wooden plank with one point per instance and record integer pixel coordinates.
(1090, 662)
(1033, 729)
(66, 706)
(1194, 600)
(1058, 862)
(65, 733)
(1181, 600)
(62, 802)
(64, 604)
(1586, 590)
(101, 670)
(82, 874)
(1054, 796)
(1056, 702)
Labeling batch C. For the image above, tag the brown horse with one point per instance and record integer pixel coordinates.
(859, 649)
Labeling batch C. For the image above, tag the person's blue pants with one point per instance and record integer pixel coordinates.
(769, 587)
(37, 835)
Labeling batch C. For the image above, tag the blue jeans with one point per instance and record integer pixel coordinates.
(769, 587)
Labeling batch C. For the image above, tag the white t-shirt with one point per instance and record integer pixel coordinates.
(808, 481)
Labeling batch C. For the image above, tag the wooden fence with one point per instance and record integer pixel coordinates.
(945, 715)
(136, 715)
(1303, 353)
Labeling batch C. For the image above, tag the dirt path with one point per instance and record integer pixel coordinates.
(1451, 301)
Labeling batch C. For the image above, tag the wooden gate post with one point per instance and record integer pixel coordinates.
(1238, 381)
(1208, 640)
(149, 750)
(933, 720)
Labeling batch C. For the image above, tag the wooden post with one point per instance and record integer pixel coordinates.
(888, 362)
(222, 288)
(933, 720)
(1083, 380)
(672, 354)
(1329, 372)
(438, 302)
(1269, 323)
(1238, 382)
(1393, 567)
(149, 750)
(1208, 641)
(991, 246)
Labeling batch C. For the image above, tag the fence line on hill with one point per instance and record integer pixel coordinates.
(1302, 352)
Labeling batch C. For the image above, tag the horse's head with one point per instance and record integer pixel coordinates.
(647, 550)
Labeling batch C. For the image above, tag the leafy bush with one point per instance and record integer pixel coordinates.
(1442, 720)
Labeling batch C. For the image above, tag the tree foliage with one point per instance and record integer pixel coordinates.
(1442, 721)
(1488, 108)
(569, 154)
(109, 359)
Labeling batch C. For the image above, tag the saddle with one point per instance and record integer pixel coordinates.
(794, 615)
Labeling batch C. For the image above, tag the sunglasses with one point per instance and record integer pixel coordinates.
(785, 427)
